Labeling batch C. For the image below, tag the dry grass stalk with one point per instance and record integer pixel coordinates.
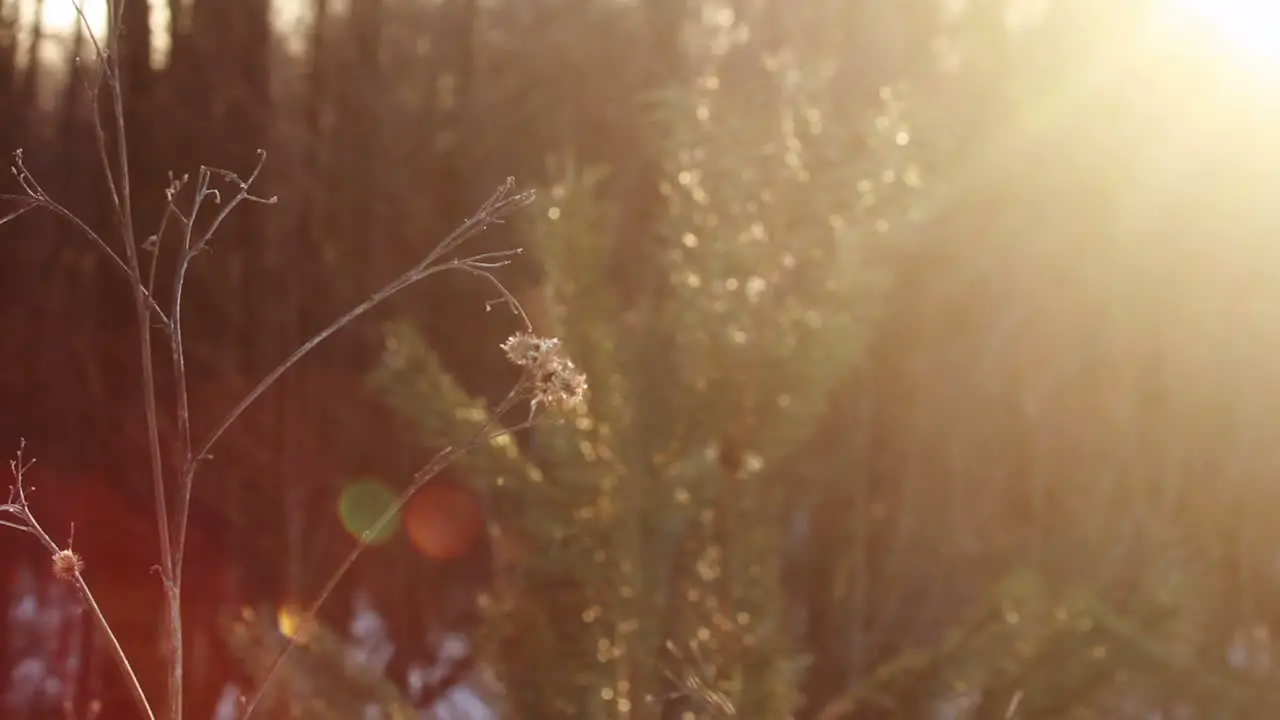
(550, 379)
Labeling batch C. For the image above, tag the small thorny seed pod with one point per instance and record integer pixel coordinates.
(66, 564)
(553, 379)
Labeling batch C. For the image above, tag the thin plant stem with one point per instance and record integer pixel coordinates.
(172, 521)
(122, 202)
(191, 246)
(27, 522)
(439, 462)
(36, 197)
(491, 212)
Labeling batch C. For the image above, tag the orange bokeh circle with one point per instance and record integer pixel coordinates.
(444, 520)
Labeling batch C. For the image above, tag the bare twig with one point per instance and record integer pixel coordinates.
(67, 566)
(37, 197)
(24, 204)
(154, 242)
(172, 521)
(118, 184)
(497, 207)
(439, 462)
(192, 245)
(548, 377)
(502, 203)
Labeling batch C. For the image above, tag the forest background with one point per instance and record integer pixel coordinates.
(931, 348)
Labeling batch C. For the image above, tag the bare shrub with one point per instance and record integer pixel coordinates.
(194, 210)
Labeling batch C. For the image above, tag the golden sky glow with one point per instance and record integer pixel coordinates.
(60, 15)
(1250, 26)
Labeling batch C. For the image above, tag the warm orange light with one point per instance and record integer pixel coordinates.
(292, 622)
(444, 520)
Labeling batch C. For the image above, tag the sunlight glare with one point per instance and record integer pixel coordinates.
(291, 621)
(60, 16)
(1251, 26)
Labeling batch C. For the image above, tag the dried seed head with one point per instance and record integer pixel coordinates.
(66, 564)
(553, 379)
(562, 387)
(530, 351)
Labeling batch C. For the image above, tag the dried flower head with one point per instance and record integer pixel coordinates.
(553, 379)
(528, 350)
(66, 564)
(562, 387)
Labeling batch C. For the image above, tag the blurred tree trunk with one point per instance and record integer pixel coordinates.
(638, 268)
(12, 123)
(361, 163)
(8, 51)
(138, 85)
(30, 94)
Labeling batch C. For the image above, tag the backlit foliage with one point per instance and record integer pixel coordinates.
(654, 516)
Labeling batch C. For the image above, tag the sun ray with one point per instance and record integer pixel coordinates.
(61, 16)
(1249, 26)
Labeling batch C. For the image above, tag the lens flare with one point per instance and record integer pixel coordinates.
(362, 504)
(444, 520)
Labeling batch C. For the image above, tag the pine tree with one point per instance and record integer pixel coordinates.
(654, 521)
